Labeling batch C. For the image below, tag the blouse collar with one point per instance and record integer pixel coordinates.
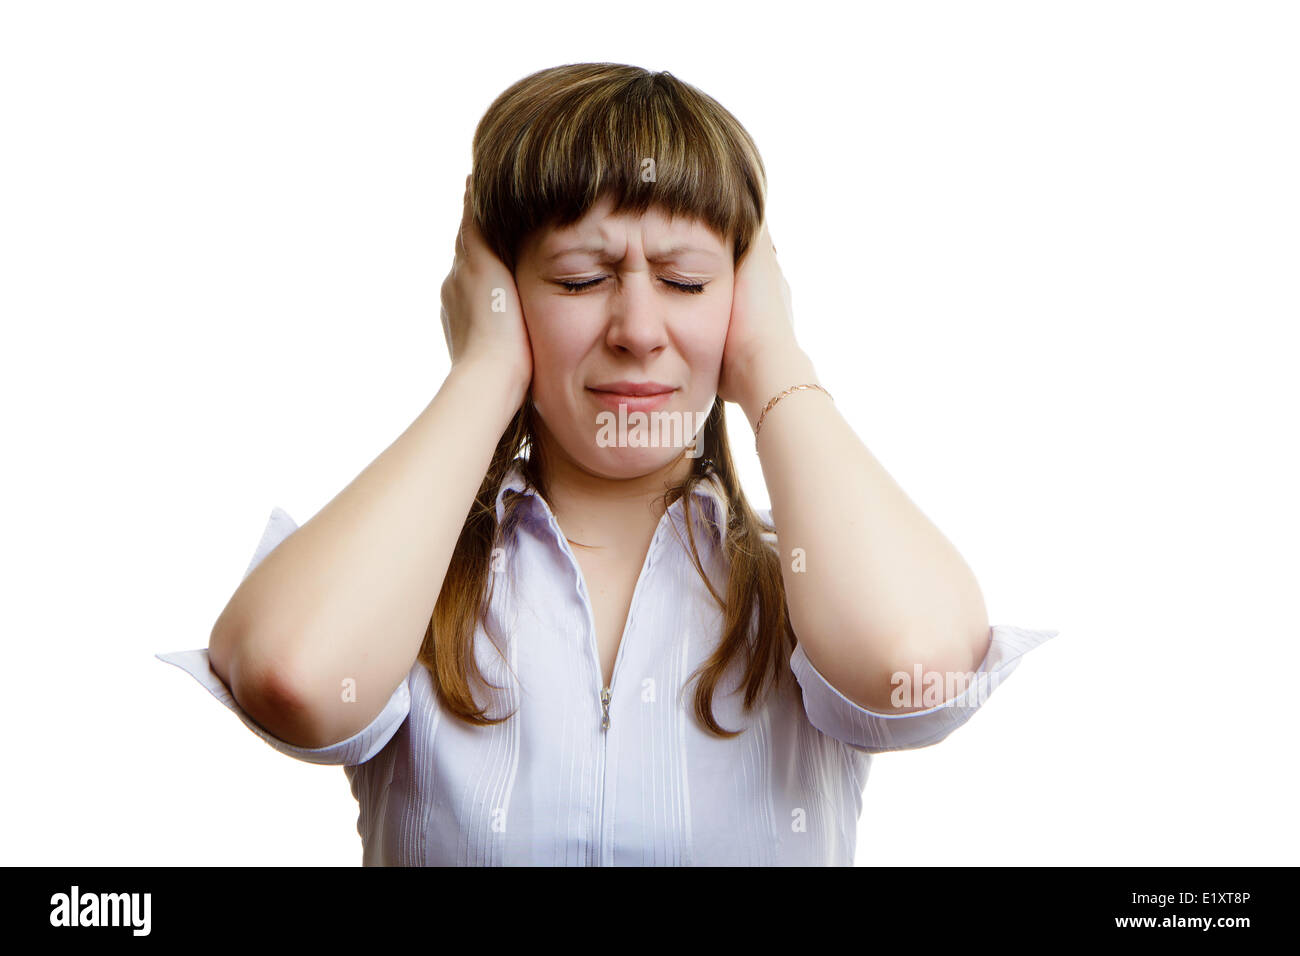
(709, 492)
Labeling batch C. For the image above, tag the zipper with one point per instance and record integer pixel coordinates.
(607, 691)
(605, 695)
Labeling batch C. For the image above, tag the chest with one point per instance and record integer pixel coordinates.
(611, 584)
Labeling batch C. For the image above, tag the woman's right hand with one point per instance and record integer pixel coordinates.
(482, 318)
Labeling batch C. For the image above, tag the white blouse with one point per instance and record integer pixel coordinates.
(574, 780)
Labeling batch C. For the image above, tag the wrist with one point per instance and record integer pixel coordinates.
(768, 375)
(494, 380)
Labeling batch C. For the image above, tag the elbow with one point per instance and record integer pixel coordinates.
(269, 689)
(273, 699)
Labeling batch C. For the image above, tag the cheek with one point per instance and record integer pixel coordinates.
(707, 336)
(559, 341)
(562, 341)
(702, 344)
(551, 327)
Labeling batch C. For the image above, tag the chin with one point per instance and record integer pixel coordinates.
(622, 463)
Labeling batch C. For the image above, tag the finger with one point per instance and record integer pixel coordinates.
(466, 220)
(471, 239)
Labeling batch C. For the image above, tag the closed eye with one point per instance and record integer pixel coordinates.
(688, 287)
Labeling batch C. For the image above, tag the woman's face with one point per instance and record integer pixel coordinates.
(628, 323)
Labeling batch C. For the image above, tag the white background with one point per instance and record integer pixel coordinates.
(1044, 256)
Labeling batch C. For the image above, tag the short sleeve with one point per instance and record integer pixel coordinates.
(358, 748)
(836, 716)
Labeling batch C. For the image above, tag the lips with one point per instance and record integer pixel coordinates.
(634, 396)
(636, 389)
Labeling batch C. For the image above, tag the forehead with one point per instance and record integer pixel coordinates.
(602, 233)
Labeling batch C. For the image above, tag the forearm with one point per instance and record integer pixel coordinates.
(350, 593)
(882, 589)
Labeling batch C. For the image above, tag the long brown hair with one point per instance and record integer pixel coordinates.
(544, 153)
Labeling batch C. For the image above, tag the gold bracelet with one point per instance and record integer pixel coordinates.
(776, 398)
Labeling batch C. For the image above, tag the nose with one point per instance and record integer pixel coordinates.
(636, 321)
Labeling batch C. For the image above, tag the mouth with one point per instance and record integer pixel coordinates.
(633, 389)
(636, 396)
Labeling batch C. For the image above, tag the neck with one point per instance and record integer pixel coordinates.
(604, 513)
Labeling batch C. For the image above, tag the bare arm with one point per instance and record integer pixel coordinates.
(350, 593)
(879, 589)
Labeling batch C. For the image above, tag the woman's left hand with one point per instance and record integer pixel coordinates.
(762, 319)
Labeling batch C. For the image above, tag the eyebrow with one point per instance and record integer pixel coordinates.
(598, 249)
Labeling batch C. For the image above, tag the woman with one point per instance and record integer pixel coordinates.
(545, 626)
